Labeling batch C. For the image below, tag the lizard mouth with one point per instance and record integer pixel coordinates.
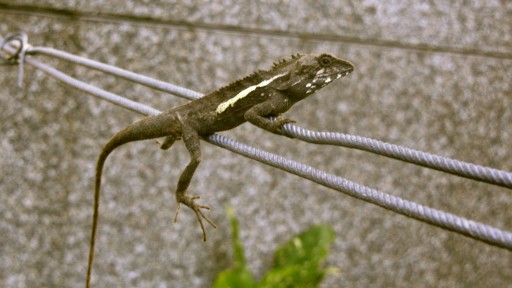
(344, 73)
(323, 78)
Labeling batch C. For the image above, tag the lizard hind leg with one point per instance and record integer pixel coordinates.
(191, 140)
(168, 141)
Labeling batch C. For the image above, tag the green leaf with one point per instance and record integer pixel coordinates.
(235, 278)
(308, 248)
(238, 249)
(293, 276)
(297, 262)
(238, 275)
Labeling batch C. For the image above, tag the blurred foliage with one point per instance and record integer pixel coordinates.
(297, 263)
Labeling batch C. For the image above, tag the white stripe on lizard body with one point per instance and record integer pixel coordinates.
(231, 102)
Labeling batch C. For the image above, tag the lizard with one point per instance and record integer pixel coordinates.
(251, 99)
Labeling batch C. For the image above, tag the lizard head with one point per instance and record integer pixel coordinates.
(310, 73)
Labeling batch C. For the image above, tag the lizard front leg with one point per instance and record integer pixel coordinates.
(274, 106)
(191, 140)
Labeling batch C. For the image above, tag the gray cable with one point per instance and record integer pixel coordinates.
(432, 216)
(125, 74)
(426, 214)
(456, 167)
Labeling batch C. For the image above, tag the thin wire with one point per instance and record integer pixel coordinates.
(125, 74)
(93, 90)
(12, 46)
(17, 56)
(472, 229)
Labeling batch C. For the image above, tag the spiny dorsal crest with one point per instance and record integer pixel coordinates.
(242, 83)
(283, 62)
(255, 77)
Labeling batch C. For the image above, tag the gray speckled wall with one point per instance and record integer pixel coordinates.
(434, 76)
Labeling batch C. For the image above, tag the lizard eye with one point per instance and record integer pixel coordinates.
(325, 61)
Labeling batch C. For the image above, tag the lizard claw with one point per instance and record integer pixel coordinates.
(189, 202)
(279, 125)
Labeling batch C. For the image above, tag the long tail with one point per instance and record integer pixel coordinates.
(147, 128)
(97, 188)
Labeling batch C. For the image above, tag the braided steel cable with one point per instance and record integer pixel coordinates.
(460, 168)
(396, 204)
(116, 71)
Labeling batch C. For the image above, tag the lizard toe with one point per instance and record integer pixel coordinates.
(189, 201)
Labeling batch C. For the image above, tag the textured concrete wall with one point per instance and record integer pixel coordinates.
(435, 76)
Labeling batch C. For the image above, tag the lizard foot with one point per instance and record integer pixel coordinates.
(189, 202)
(279, 125)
